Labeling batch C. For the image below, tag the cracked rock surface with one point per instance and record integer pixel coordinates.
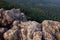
(14, 26)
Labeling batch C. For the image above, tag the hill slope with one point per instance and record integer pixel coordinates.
(39, 9)
(36, 2)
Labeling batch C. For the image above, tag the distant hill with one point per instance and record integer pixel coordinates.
(7, 5)
(38, 9)
(2, 3)
(36, 2)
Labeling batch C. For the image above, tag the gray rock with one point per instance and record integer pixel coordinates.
(2, 31)
(37, 35)
(29, 28)
(51, 29)
(13, 33)
(14, 26)
(8, 16)
(14, 14)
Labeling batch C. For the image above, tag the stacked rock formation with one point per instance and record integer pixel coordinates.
(14, 26)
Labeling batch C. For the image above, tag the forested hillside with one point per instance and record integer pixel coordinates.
(7, 5)
(44, 10)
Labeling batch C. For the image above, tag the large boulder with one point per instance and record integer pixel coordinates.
(8, 16)
(13, 33)
(30, 30)
(7, 20)
(2, 31)
(14, 14)
(51, 30)
(37, 35)
(14, 26)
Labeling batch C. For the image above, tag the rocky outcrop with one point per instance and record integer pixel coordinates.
(13, 33)
(14, 26)
(8, 22)
(2, 31)
(51, 30)
(8, 16)
(24, 31)
(30, 30)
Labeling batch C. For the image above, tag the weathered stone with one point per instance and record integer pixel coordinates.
(14, 14)
(14, 26)
(2, 31)
(13, 33)
(57, 36)
(28, 29)
(8, 16)
(37, 35)
(23, 17)
(50, 28)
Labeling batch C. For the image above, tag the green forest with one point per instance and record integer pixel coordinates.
(36, 13)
